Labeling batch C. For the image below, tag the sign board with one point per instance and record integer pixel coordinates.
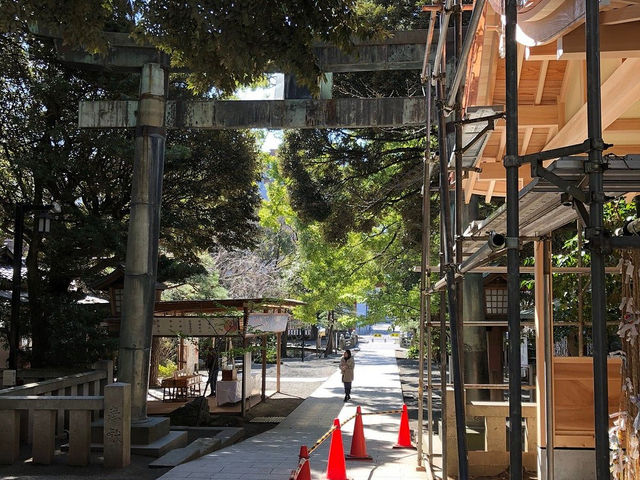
(170, 326)
(267, 323)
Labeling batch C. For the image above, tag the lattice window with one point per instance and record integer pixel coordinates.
(496, 301)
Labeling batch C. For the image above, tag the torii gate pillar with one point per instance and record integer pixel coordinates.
(142, 243)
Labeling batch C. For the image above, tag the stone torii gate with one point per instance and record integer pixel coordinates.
(152, 114)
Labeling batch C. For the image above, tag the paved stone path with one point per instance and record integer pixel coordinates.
(274, 454)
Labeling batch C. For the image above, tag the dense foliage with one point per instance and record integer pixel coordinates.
(210, 193)
(223, 43)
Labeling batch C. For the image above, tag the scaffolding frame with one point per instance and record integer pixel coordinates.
(598, 239)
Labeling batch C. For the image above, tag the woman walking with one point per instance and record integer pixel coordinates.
(347, 365)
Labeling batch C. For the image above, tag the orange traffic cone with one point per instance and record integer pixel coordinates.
(404, 435)
(303, 472)
(358, 445)
(336, 466)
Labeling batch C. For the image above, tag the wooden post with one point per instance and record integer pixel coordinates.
(544, 347)
(243, 402)
(264, 367)
(278, 342)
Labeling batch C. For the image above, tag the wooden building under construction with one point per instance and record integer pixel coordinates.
(542, 107)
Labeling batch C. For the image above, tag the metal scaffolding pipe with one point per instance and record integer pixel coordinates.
(425, 303)
(513, 242)
(438, 64)
(451, 291)
(459, 199)
(595, 231)
(494, 245)
(443, 363)
(426, 71)
(464, 54)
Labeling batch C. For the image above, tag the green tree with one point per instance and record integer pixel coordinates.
(198, 33)
(210, 188)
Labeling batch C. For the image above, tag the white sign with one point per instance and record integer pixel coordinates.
(267, 323)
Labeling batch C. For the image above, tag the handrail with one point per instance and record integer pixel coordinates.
(40, 402)
(47, 386)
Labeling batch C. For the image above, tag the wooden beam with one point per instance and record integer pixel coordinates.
(621, 90)
(525, 140)
(271, 114)
(496, 171)
(620, 15)
(542, 77)
(492, 186)
(521, 52)
(493, 67)
(543, 52)
(625, 125)
(471, 181)
(572, 65)
(535, 116)
(543, 313)
(616, 41)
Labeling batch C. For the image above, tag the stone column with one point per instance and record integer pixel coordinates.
(44, 436)
(117, 425)
(10, 437)
(79, 437)
(142, 243)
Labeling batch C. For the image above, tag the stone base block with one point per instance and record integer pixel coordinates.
(569, 463)
(142, 433)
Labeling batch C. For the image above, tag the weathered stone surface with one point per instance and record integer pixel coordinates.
(117, 425)
(8, 378)
(79, 437)
(195, 449)
(44, 436)
(193, 413)
(174, 439)
(10, 437)
(271, 114)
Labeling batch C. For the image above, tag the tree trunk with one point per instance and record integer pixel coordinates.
(329, 348)
(155, 362)
(39, 326)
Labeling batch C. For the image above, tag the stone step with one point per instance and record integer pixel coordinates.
(142, 433)
(226, 435)
(157, 448)
(196, 449)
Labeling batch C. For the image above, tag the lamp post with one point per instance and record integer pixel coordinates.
(43, 226)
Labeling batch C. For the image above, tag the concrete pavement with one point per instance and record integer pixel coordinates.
(274, 454)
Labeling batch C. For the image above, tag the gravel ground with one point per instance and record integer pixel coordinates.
(298, 380)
